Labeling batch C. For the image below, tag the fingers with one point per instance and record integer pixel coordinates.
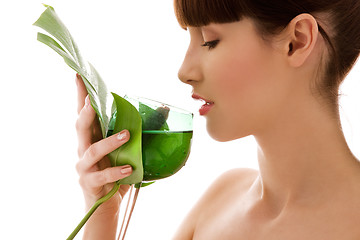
(99, 150)
(84, 127)
(82, 93)
(92, 178)
(95, 180)
(93, 166)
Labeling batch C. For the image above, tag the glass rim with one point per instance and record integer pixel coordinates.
(148, 100)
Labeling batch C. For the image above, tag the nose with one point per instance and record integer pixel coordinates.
(190, 71)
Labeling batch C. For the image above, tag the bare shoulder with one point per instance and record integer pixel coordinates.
(232, 183)
(239, 178)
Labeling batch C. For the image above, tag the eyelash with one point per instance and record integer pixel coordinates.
(210, 44)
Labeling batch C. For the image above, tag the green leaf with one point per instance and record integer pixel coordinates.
(57, 48)
(130, 153)
(64, 44)
(50, 22)
(127, 117)
(130, 119)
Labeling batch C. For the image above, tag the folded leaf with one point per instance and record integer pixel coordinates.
(130, 153)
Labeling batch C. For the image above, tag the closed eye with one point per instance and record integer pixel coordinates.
(210, 44)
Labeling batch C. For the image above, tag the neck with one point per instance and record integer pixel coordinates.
(300, 155)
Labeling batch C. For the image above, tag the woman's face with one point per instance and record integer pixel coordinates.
(238, 74)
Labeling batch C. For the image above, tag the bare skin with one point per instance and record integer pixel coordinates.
(232, 208)
(308, 183)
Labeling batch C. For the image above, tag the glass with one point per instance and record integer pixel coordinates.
(166, 141)
(166, 137)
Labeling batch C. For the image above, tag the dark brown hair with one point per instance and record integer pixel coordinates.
(270, 17)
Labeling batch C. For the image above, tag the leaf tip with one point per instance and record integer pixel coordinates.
(48, 6)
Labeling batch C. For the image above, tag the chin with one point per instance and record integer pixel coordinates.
(224, 135)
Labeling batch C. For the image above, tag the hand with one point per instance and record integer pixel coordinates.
(96, 174)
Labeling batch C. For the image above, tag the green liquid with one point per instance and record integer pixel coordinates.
(164, 152)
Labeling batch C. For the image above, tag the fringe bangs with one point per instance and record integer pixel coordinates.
(199, 13)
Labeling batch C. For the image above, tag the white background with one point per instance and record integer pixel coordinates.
(137, 46)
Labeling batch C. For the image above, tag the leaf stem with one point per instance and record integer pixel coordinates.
(93, 208)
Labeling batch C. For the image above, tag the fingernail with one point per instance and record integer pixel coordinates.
(122, 135)
(87, 101)
(126, 170)
(77, 79)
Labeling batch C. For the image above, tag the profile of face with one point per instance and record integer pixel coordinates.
(241, 76)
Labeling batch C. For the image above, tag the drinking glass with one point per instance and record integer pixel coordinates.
(166, 141)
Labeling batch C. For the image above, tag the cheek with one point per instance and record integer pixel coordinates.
(243, 87)
(242, 76)
(233, 88)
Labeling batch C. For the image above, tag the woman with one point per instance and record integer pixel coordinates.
(270, 69)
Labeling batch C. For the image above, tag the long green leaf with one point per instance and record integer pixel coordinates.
(57, 48)
(51, 23)
(129, 118)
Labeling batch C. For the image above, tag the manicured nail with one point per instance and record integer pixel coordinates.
(122, 135)
(87, 101)
(126, 170)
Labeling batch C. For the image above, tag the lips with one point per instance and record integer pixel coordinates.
(204, 109)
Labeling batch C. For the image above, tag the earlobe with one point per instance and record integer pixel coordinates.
(303, 33)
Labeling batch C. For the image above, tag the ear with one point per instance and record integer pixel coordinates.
(302, 36)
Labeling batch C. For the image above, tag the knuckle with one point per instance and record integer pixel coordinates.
(111, 144)
(91, 152)
(101, 178)
(112, 176)
(79, 168)
(78, 124)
